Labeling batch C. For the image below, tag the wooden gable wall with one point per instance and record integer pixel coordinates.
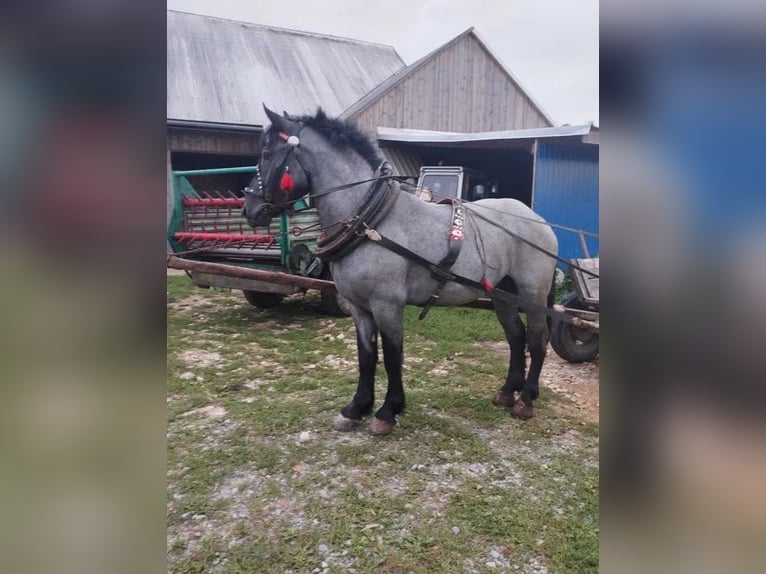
(461, 88)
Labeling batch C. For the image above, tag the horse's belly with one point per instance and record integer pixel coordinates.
(449, 294)
(454, 294)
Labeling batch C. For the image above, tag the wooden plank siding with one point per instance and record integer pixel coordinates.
(215, 142)
(461, 88)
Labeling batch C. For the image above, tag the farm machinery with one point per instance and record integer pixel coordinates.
(208, 229)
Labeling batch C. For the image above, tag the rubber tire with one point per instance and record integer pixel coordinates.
(564, 339)
(263, 300)
(332, 303)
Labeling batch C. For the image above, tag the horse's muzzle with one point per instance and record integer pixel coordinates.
(262, 216)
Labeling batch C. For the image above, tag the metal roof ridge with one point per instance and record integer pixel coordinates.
(291, 31)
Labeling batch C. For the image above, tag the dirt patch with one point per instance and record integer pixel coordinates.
(193, 303)
(200, 358)
(576, 382)
(339, 363)
(442, 369)
(210, 411)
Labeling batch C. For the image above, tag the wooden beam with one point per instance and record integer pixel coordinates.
(247, 273)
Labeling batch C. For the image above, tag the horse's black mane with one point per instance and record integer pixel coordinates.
(343, 133)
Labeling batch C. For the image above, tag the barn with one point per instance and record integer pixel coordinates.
(458, 105)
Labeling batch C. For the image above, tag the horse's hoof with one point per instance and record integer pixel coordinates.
(522, 411)
(344, 424)
(380, 427)
(502, 400)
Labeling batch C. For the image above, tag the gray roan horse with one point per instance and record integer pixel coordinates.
(343, 171)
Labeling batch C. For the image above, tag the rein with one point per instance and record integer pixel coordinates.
(531, 244)
(327, 191)
(447, 275)
(391, 176)
(378, 202)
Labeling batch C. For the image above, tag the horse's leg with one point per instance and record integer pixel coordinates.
(390, 321)
(537, 339)
(367, 349)
(515, 333)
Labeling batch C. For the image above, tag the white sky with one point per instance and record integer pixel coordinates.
(550, 46)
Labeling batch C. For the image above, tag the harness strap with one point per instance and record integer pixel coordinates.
(380, 199)
(533, 245)
(453, 251)
(501, 294)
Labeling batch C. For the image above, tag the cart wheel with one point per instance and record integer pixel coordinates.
(572, 343)
(334, 303)
(263, 300)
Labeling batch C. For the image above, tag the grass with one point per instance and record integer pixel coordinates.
(259, 482)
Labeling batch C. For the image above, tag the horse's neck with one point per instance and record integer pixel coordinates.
(343, 204)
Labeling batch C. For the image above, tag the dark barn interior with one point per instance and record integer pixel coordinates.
(510, 167)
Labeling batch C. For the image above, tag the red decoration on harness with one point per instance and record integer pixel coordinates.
(286, 184)
(283, 136)
(487, 285)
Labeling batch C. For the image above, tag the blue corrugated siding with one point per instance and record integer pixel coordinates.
(566, 192)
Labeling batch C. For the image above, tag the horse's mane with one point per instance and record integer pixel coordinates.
(343, 133)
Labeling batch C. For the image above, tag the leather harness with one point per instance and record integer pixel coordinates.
(441, 271)
(380, 199)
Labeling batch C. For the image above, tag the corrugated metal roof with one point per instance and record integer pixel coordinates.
(427, 136)
(405, 162)
(372, 96)
(221, 70)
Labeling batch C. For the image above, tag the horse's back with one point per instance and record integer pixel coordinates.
(519, 218)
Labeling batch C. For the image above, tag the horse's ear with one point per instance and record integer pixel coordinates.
(280, 123)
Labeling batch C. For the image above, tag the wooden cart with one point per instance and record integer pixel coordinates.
(579, 343)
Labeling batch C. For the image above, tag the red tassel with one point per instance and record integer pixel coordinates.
(286, 184)
(487, 285)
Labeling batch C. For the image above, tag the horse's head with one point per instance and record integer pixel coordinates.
(282, 179)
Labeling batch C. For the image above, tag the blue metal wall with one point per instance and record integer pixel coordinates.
(566, 193)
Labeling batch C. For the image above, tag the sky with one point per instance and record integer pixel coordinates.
(550, 46)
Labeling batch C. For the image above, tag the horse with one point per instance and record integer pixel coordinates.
(502, 244)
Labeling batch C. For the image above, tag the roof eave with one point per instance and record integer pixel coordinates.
(434, 137)
(219, 126)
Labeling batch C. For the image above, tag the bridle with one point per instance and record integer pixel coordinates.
(284, 183)
(281, 179)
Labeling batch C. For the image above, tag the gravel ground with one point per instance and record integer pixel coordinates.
(259, 482)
